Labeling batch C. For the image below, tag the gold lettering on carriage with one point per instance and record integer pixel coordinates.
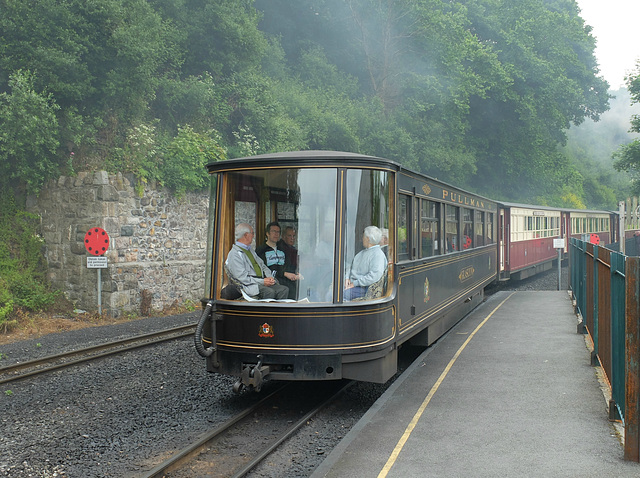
(466, 273)
(461, 199)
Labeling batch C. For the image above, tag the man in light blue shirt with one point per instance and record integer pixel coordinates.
(367, 267)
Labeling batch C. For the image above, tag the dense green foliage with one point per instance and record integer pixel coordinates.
(459, 90)
(628, 156)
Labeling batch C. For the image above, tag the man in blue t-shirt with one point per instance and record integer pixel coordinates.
(274, 257)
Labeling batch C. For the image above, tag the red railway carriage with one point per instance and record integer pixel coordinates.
(526, 237)
(527, 233)
(596, 227)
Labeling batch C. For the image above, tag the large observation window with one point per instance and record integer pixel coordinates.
(366, 234)
(302, 201)
(305, 204)
(529, 224)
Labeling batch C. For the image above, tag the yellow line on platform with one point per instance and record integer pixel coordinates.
(394, 455)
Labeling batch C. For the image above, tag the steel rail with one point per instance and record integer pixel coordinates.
(195, 448)
(106, 349)
(287, 434)
(161, 469)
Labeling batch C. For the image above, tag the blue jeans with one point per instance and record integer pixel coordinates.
(355, 292)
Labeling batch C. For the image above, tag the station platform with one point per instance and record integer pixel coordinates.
(508, 392)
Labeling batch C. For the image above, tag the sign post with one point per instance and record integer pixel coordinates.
(559, 244)
(621, 226)
(96, 241)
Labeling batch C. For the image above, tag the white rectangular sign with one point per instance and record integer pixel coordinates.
(558, 243)
(94, 262)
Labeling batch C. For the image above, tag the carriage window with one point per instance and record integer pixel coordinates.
(429, 214)
(467, 224)
(302, 198)
(479, 226)
(489, 228)
(404, 227)
(366, 234)
(452, 229)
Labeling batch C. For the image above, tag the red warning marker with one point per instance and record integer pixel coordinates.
(96, 241)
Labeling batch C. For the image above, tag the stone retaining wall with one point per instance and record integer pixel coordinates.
(157, 242)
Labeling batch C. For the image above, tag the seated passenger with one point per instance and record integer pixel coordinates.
(247, 269)
(272, 255)
(367, 267)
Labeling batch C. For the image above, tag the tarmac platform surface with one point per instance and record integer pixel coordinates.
(508, 392)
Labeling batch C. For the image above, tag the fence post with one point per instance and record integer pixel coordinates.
(595, 332)
(632, 349)
(618, 290)
(578, 261)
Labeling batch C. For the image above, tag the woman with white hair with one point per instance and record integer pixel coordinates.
(367, 267)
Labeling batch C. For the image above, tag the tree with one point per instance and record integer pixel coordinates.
(220, 37)
(551, 82)
(468, 88)
(627, 158)
(28, 134)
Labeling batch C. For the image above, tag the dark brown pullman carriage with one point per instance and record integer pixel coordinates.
(439, 246)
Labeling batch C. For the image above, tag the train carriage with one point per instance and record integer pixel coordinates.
(440, 249)
(596, 227)
(526, 235)
(526, 239)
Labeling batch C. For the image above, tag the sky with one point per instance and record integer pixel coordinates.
(614, 24)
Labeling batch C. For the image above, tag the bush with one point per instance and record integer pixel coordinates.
(185, 158)
(23, 268)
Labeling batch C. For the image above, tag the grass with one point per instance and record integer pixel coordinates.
(64, 319)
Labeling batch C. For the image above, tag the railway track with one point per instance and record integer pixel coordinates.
(21, 370)
(240, 444)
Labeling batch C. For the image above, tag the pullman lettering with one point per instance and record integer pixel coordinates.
(461, 199)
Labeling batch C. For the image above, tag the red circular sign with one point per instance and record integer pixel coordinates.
(96, 240)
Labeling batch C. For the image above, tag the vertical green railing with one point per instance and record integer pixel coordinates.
(578, 260)
(600, 288)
